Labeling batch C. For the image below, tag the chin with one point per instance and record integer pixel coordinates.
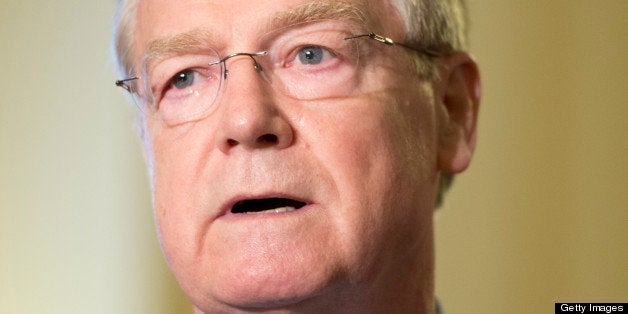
(274, 285)
(261, 295)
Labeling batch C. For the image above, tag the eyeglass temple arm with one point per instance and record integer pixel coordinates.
(122, 83)
(390, 42)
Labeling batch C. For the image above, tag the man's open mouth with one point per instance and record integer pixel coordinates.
(266, 205)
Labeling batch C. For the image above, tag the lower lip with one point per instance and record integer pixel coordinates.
(277, 213)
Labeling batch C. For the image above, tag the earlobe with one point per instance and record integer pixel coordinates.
(457, 104)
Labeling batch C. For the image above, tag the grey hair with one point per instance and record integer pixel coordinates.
(440, 25)
(435, 23)
(122, 43)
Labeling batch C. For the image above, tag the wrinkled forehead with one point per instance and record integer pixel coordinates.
(242, 21)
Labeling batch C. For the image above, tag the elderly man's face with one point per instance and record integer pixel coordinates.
(270, 201)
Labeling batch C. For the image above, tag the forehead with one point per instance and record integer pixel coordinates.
(237, 20)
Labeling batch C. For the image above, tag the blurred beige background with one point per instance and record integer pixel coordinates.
(541, 216)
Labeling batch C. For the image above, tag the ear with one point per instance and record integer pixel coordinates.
(457, 93)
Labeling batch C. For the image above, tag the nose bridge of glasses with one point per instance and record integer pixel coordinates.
(256, 64)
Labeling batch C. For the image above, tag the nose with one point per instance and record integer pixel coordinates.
(251, 118)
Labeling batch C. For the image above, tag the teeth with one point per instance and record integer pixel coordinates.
(274, 210)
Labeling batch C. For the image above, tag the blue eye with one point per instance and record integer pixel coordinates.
(311, 55)
(183, 79)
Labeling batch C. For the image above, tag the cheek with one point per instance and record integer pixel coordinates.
(175, 162)
(178, 158)
(380, 154)
(377, 142)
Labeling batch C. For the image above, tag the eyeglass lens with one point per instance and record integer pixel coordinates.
(308, 61)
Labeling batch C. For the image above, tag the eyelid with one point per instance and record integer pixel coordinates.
(167, 69)
(187, 73)
(327, 52)
(199, 75)
(287, 50)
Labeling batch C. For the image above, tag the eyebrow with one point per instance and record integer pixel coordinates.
(193, 41)
(199, 40)
(318, 10)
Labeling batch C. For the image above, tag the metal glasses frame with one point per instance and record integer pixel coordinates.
(379, 38)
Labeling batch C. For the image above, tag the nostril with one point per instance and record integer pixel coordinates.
(268, 138)
(262, 141)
